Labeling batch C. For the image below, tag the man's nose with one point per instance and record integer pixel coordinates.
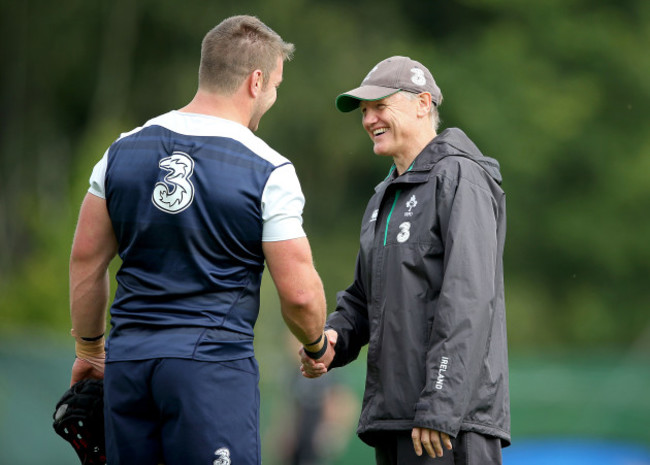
(369, 117)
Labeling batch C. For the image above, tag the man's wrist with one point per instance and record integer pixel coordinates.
(317, 341)
(317, 349)
(88, 347)
(92, 339)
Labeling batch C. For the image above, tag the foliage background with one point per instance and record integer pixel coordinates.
(556, 90)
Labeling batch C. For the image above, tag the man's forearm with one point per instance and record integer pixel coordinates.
(305, 316)
(302, 298)
(89, 292)
(93, 248)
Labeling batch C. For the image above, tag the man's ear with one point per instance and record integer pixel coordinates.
(424, 103)
(256, 82)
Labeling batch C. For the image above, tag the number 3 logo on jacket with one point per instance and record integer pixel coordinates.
(404, 232)
(177, 192)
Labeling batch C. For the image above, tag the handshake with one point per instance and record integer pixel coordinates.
(316, 358)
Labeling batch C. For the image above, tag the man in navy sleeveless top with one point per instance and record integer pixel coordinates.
(194, 204)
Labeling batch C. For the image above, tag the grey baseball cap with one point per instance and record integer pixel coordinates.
(389, 77)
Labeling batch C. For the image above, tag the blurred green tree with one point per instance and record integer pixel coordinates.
(556, 90)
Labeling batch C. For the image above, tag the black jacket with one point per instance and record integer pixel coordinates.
(428, 297)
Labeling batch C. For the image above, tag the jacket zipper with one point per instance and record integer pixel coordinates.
(397, 192)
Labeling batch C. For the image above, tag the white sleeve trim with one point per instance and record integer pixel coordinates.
(282, 205)
(98, 178)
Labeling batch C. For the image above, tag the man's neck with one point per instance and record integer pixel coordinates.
(226, 107)
(404, 161)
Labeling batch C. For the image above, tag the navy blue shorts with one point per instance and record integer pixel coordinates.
(182, 412)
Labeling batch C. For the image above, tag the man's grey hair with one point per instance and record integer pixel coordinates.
(434, 115)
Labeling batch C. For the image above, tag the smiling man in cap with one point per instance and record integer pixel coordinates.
(399, 100)
(428, 293)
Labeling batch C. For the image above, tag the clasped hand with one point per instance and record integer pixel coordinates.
(311, 368)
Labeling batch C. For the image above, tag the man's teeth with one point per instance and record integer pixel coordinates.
(377, 132)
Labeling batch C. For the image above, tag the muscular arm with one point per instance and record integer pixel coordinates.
(302, 298)
(93, 249)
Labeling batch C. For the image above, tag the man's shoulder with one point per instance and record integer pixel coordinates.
(206, 127)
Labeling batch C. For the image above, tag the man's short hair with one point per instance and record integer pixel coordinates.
(434, 114)
(235, 48)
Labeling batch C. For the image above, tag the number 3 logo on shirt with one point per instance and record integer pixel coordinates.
(177, 192)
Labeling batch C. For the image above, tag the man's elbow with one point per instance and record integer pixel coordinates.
(303, 299)
(84, 253)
